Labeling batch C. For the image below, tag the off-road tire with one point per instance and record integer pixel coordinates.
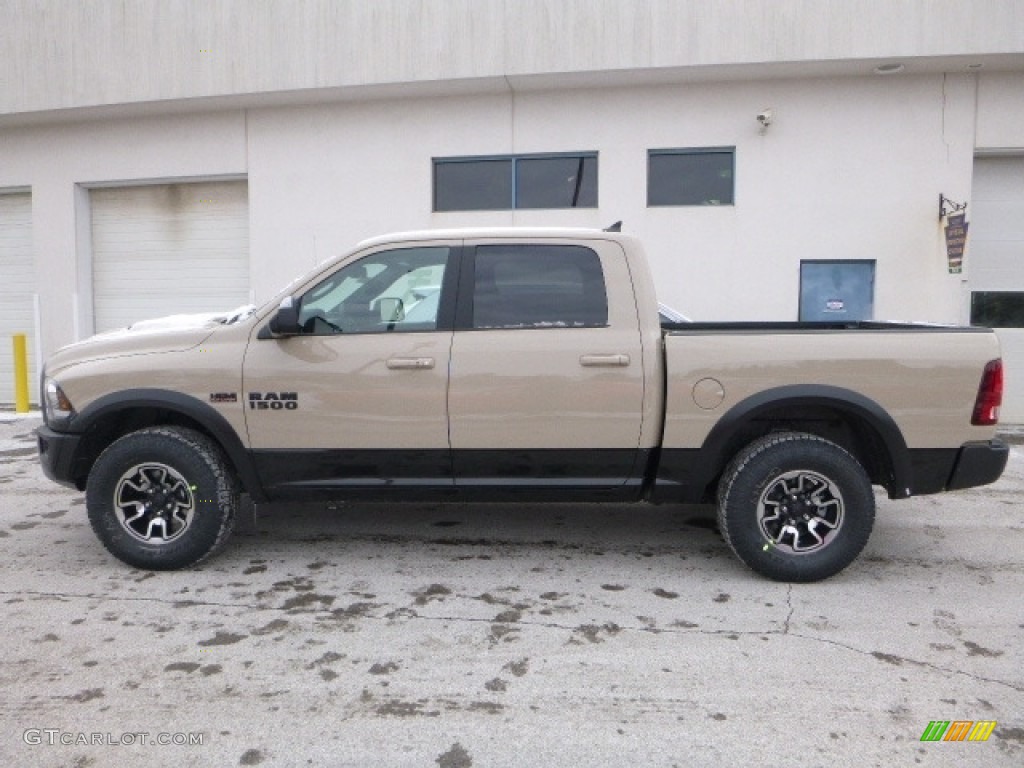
(187, 473)
(778, 498)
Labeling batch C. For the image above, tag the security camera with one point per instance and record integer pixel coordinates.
(764, 117)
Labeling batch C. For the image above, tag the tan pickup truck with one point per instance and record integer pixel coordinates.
(504, 364)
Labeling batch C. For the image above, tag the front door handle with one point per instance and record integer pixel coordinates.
(604, 361)
(410, 363)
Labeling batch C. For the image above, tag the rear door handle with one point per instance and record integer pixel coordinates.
(410, 363)
(605, 361)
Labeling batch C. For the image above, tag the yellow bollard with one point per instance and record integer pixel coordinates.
(20, 374)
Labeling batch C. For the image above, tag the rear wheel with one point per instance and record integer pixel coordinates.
(162, 498)
(795, 507)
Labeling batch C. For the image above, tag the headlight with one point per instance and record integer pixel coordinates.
(58, 407)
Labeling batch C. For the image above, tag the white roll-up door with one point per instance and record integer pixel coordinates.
(17, 288)
(996, 258)
(167, 249)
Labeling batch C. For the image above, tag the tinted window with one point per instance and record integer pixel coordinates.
(538, 286)
(473, 185)
(515, 181)
(1000, 309)
(690, 177)
(556, 182)
(396, 290)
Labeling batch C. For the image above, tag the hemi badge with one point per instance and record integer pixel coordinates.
(223, 397)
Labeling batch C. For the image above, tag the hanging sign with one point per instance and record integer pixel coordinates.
(956, 241)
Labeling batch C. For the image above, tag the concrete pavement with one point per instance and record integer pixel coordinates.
(492, 635)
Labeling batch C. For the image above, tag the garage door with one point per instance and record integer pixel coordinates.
(168, 249)
(17, 287)
(996, 265)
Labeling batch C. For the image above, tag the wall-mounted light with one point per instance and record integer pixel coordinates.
(765, 118)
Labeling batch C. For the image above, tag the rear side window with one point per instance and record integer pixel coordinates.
(538, 286)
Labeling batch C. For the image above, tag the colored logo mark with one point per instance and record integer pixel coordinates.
(958, 730)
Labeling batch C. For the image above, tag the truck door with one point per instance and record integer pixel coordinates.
(547, 386)
(359, 398)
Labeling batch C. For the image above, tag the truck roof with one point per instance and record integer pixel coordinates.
(465, 233)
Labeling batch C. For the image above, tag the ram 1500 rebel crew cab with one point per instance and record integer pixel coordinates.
(522, 364)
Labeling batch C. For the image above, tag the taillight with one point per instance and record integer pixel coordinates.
(990, 395)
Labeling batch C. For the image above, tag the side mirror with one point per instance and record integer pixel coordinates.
(391, 310)
(285, 321)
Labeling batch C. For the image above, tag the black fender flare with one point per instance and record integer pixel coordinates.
(716, 445)
(211, 420)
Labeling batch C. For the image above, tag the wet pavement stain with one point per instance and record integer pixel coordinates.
(399, 708)
(254, 569)
(431, 593)
(328, 657)
(659, 592)
(593, 633)
(456, 757)
(612, 587)
(384, 669)
(187, 667)
(83, 696)
(274, 626)
(354, 611)
(888, 658)
(496, 685)
(518, 668)
(251, 757)
(23, 526)
(307, 600)
(973, 649)
(487, 707)
(222, 638)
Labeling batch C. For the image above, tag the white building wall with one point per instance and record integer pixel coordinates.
(852, 168)
(88, 53)
(56, 161)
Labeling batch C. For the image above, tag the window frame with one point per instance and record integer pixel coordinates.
(690, 152)
(514, 159)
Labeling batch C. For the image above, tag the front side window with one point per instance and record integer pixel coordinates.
(515, 181)
(538, 286)
(690, 176)
(397, 290)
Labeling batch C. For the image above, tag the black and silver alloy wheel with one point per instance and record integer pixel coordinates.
(162, 498)
(154, 503)
(800, 512)
(795, 507)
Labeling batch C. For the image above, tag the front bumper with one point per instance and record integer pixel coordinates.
(978, 464)
(58, 455)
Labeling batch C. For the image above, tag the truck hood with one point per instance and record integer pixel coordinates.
(174, 333)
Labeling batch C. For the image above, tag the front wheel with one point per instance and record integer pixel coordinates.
(795, 507)
(162, 498)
